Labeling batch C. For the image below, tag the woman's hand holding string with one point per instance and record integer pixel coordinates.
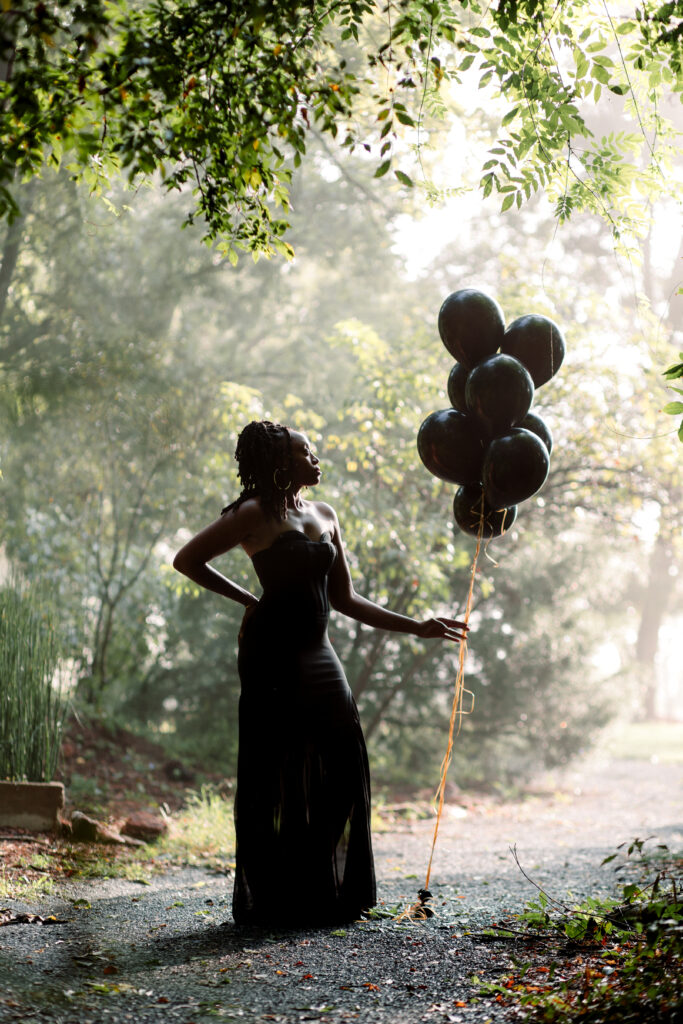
(442, 629)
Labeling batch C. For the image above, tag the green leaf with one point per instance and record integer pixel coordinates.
(673, 408)
(405, 118)
(404, 179)
(508, 201)
(382, 169)
(674, 371)
(510, 116)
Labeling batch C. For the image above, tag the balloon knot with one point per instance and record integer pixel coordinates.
(418, 911)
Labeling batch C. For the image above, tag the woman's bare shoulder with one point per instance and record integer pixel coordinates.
(234, 526)
(323, 509)
(326, 513)
(248, 510)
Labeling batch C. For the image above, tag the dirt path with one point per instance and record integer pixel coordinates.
(147, 954)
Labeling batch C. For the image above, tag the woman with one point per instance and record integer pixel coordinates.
(302, 809)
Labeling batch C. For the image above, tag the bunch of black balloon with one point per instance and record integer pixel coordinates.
(489, 442)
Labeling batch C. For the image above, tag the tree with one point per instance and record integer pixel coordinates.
(224, 97)
(125, 328)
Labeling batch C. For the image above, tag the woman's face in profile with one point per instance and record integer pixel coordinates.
(305, 464)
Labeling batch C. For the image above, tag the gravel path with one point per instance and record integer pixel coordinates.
(147, 954)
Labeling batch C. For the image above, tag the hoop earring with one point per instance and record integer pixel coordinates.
(279, 486)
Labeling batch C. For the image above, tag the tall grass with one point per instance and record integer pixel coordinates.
(31, 707)
(203, 832)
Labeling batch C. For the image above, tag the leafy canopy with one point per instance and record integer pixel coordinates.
(674, 372)
(223, 97)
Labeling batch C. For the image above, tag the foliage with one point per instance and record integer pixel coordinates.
(33, 706)
(203, 833)
(117, 445)
(613, 958)
(22, 888)
(405, 552)
(674, 372)
(200, 834)
(120, 482)
(225, 98)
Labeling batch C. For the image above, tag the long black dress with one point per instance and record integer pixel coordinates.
(302, 810)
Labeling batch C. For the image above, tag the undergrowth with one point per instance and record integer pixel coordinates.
(203, 833)
(612, 959)
(16, 886)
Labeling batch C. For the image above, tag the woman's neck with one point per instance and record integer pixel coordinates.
(295, 501)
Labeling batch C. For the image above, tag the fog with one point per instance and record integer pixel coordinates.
(132, 355)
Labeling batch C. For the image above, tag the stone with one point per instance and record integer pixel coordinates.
(89, 830)
(145, 826)
(35, 806)
(83, 828)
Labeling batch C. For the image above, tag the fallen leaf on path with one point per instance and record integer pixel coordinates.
(9, 917)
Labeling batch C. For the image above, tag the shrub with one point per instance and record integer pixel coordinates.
(32, 706)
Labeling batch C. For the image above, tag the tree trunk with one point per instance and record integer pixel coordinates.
(656, 597)
(10, 255)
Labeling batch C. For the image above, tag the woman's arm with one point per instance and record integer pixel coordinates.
(220, 536)
(344, 599)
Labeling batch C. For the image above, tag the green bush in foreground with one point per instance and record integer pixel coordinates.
(31, 707)
(613, 960)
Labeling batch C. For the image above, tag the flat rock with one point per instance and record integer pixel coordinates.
(89, 830)
(145, 826)
(35, 806)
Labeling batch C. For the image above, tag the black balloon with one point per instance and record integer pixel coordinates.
(515, 467)
(533, 422)
(537, 342)
(499, 392)
(451, 446)
(471, 326)
(457, 379)
(467, 510)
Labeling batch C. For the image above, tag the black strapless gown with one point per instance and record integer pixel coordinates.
(302, 809)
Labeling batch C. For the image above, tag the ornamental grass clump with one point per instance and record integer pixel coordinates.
(32, 705)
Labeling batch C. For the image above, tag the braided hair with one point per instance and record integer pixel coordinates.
(262, 449)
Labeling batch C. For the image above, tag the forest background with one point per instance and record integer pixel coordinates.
(131, 355)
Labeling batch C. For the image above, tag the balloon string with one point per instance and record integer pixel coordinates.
(503, 530)
(418, 911)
